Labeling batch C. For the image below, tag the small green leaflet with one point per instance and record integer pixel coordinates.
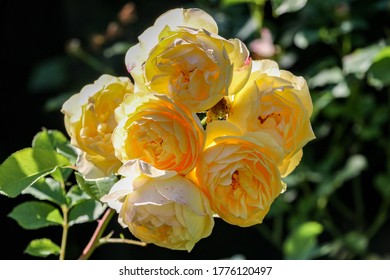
(86, 211)
(36, 214)
(96, 188)
(42, 248)
(301, 244)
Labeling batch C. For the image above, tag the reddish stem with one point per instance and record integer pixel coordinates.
(94, 241)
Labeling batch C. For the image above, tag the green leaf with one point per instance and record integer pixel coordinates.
(378, 74)
(325, 77)
(55, 68)
(341, 90)
(253, 24)
(119, 48)
(86, 211)
(36, 214)
(384, 53)
(356, 242)
(68, 151)
(304, 38)
(54, 104)
(281, 7)
(47, 189)
(49, 139)
(96, 188)
(23, 168)
(322, 102)
(57, 141)
(360, 60)
(301, 243)
(382, 184)
(353, 167)
(226, 3)
(42, 248)
(75, 196)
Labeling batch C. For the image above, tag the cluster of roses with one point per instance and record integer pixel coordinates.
(179, 172)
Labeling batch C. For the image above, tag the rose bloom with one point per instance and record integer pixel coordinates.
(238, 173)
(182, 56)
(160, 207)
(279, 103)
(153, 128)
(90, 121)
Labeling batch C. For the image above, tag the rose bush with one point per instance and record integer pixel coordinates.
(204, 131)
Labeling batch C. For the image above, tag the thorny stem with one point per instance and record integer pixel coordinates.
(94, 241)
(97, 239)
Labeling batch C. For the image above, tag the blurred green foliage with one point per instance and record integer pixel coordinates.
(337, 202)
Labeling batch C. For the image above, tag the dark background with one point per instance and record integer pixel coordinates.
(33, 32)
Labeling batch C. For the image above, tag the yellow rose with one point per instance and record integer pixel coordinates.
(279, 103)
(136, 55)
(153, 128)
(162, 208)
(90, 121)
(190, 66)
(237, 174)
(182, 56)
